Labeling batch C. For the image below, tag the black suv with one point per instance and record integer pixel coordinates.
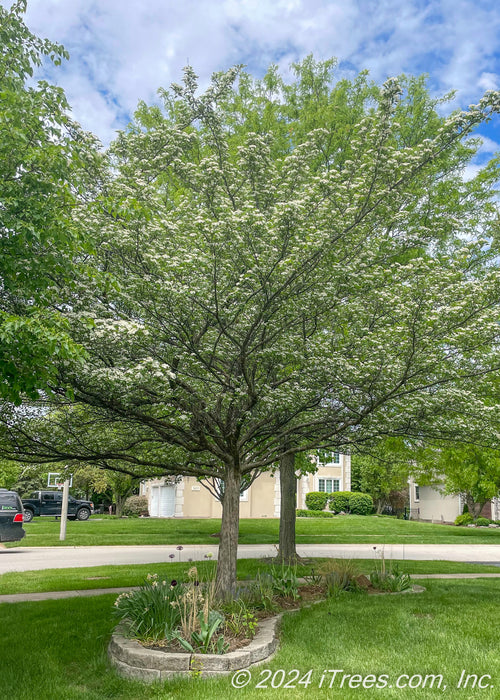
(11, 516)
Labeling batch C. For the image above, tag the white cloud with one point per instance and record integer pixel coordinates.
(489, 81)
(488, 146)
(123, 51)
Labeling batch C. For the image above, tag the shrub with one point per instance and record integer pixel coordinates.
(482, 522)
(360, 503)
(464, 519)
(314, 514)
(339, 501)
(136, 505)
(316, 500)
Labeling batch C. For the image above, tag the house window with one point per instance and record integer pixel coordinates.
(328, 485)
(327, 457)
(417, 492)
(244, 495)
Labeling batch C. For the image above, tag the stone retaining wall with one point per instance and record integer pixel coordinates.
(132, 660)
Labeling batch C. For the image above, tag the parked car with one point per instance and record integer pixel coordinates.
(50, 503)
(11, 516)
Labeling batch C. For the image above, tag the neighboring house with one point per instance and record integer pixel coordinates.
(187, 498)
(430, 503)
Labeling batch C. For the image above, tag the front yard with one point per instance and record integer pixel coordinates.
(348, 529)
(56, 650)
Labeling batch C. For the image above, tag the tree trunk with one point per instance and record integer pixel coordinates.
(288, 491)
(119, 502)
(225, 581)
(474, 507)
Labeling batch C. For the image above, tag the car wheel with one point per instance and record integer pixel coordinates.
(83, 514)
(28, 515)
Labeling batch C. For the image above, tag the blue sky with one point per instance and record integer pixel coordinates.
(123, 50)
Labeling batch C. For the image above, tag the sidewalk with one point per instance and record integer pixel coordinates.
(58, 595)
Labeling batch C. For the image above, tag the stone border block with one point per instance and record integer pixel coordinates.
(132, 660)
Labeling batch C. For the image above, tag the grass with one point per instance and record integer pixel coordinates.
(352, 529)
(134, 575)
(56, 650)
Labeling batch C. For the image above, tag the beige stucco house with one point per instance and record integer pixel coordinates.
(430, 503)
(187, 498)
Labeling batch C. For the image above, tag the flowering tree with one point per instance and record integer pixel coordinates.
(274, 270)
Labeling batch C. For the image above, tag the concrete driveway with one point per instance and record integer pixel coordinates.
(37, 558)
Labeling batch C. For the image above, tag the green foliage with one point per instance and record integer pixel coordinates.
(152, 612)
(262, 592)
(464, 469)
(275, 265)
(239, 616)
(316, 500)
(136, 505)
(9, 474)
(390, 581)
(314, 513)
(464, 519)
(481, 522)
(382, 471)
(360, 503)
(388, 577)
(339, 575)
(43, 157)
(339, 501)
(285, 581)
(205, 640)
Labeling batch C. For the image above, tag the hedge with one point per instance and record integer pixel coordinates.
(360, 503)
(316, 500)
(339, 501)
(314, 514)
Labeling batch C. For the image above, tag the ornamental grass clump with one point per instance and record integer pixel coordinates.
(339, 575)
(152, 612)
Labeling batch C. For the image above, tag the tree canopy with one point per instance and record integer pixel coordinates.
(44, 163)
(275, 268)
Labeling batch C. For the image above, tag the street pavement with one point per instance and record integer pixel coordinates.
(38, 558)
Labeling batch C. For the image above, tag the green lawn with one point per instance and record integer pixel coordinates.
(341, 529)
(134, 575)
(56, 650)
